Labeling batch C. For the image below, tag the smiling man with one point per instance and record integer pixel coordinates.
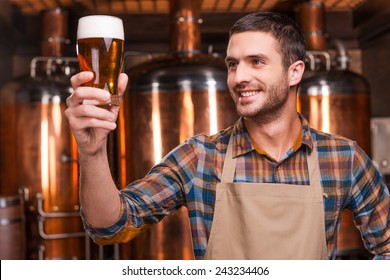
(269, 187)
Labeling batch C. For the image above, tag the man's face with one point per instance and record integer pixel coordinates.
(257, 80)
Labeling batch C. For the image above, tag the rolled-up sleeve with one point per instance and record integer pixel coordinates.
(370, 203)
(148, 200)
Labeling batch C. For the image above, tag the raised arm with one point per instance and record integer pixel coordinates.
(91, 125)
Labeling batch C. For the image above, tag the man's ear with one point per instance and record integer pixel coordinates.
(295, 72)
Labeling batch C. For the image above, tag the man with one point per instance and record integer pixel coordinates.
(269, 187)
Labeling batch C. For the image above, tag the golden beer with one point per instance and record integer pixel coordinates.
(100, 44)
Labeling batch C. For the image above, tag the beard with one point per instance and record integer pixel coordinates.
(274, 99)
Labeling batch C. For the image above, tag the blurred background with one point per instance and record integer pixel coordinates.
(174, 51)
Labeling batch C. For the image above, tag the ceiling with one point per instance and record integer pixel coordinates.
(162, 6)
(353, 21)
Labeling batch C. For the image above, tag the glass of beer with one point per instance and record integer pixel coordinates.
(100, 44)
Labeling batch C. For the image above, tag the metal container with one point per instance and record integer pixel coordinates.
(312, 22)
(338, 102)
(168, 100)
(334, 100)
(37, 151)
(39, 155)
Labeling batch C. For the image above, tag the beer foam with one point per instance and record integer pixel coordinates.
(98, 26)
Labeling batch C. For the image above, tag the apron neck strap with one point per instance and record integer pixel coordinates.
(312, 165)
(229, 166)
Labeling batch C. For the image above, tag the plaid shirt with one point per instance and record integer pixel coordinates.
(188, 176)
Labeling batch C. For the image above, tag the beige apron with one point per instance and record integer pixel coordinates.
(267, 221)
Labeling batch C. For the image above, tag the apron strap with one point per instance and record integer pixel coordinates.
(314, 169)
(229, 165)
(312, 160)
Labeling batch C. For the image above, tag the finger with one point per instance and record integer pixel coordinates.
(73, 100)
(76, 81)
(81, 124)
(91, 111)
(89, 116)
(82, 94)
(81, 78)
(122, 83)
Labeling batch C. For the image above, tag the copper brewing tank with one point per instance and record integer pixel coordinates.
(169, 99)
(37, 151)
(335, 101)
(312, 23)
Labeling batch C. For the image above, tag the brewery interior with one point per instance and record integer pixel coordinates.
(181, 43)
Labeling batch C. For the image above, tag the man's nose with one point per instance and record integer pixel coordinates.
(242, 74)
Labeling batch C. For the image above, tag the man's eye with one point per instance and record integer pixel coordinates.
(231, 64)
(257, 62)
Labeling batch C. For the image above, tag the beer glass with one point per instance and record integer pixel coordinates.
(100, 43)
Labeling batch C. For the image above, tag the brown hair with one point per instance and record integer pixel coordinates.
(285, 30)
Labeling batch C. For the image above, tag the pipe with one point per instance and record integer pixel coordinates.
(185, 26)
(342, 57)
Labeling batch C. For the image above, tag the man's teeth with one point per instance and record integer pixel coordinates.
(248, 93)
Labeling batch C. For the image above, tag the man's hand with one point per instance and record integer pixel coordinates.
(91, 124)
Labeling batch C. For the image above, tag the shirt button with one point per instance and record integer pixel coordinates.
(325, 195)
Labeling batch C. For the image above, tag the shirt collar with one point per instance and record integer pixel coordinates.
(307, 138)
(242, 143)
